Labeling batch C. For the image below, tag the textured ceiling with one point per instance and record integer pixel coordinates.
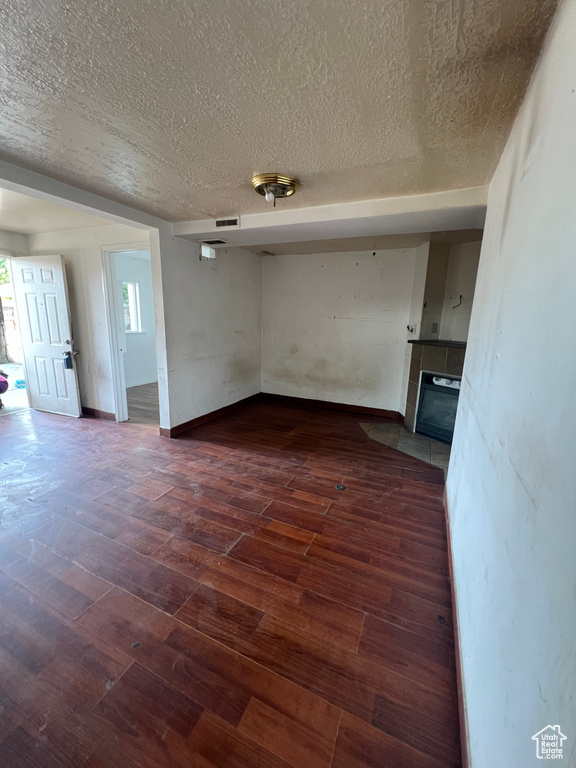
(171, 105)
(27, 215)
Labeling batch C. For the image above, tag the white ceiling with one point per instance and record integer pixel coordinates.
(28, 215)
(170, 106)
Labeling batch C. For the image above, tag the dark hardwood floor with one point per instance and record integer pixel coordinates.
(216, 601)
(143, 405)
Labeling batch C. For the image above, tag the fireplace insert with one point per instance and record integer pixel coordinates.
(437, 406)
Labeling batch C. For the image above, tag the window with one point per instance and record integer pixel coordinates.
(131, 303)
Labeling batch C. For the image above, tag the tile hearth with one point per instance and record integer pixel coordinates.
(402, 439)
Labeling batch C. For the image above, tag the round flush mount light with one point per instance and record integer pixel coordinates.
(274, 185)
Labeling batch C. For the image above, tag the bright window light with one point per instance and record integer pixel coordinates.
(131, 303)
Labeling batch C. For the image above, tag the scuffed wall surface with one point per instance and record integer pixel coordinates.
(434, 290)
(170, 106)
(212, 312)
(334, 325)
(459, 291)
(83, 259)
(512, 481)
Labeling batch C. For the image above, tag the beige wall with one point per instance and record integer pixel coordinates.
(451, 274)
(212, 314)
(334, 325)
(209, 312)
(461, 274)
(82, 252)
(434, 290)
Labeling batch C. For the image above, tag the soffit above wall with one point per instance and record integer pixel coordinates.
(29, 215)
(385, 242)
(343, 245)
(462, 209)
(170, 106)
(455, 237)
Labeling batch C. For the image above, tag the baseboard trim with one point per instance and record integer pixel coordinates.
(302, 402)
(459, 680)
(180, 428)
(95, 413)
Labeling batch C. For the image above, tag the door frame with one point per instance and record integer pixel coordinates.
(112, 323)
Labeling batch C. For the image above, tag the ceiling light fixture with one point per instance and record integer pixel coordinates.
(274, 185)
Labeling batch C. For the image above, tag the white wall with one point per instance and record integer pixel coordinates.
(140, 356)
(434, 290)
(334, 325)
(460, 282)
(12, 243)
(512, 480)
(81, 249)
(451, 273)
(212, 314)
(208, 319)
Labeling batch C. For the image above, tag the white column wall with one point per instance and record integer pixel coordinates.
(512, 478)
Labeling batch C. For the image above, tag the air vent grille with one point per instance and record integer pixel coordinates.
(214, 242)
(226, 222)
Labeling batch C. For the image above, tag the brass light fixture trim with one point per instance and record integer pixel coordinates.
(274, 185)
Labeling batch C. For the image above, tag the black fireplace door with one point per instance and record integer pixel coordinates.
(437, 406)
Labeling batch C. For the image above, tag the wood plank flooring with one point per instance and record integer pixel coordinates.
(215, 601)
(143, 405)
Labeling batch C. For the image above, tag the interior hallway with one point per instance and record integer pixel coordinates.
(143, 404)
(217, 596)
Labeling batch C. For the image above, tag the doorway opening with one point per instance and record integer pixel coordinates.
(130, 304)
(15, 397)
(40, 356)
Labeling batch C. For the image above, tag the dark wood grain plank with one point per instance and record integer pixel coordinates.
(293, 742)
(214, 676)
(361, 746)
(148, 719)
(219, 615)
(286, 536)
(268, 557)
(118, 565)
(216, 601)
(20, 750)
(220, 745)
(414, 656)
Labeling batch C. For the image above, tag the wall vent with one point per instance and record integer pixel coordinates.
(227, 222)
(214, 242)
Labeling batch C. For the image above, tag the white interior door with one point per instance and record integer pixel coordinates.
(41, 297)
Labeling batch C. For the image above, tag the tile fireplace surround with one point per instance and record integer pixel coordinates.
(446, 357)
